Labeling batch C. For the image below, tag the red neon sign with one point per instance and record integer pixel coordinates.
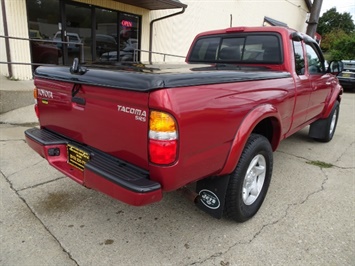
(126, 23)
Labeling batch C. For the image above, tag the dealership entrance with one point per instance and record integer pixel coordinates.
(63, 30)
(41, 32)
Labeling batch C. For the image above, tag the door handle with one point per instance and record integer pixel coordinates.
(78, 100)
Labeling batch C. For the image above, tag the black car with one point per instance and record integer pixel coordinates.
(347, 76)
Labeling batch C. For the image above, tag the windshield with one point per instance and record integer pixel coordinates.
(260, 49)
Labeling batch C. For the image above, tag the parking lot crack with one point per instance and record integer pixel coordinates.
(350, 147)
(294, 155)
(14, 173)
(30, 124)
(41, 184)
(8, 140)
(263, 227)
(40, 221)
(220, 254)
(216, 255)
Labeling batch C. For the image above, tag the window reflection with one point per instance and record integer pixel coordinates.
(93, 33)
(78, 27)
(299, 58)
(106, 31)
(43, 17)
(315, 64)
(127, 40)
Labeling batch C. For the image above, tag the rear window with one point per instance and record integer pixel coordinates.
(260, 49)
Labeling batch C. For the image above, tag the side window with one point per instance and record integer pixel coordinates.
(315, 64)
(299, 58)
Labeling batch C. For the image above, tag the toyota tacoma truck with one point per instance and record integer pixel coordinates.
(208, 126)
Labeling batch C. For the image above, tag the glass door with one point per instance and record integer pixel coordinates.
(43, 18)
(129, 28)
(77, 28)
(106, 45)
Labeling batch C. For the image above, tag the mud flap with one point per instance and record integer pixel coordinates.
(318, 129)
(212, 195)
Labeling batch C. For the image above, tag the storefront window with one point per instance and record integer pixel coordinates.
(94, 33)
(106, 34)
(128, 38)
(43, 18)
(78, 28)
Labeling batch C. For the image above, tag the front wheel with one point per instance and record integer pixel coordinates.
(250, 180)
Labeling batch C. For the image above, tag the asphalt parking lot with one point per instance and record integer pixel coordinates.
(308, 217)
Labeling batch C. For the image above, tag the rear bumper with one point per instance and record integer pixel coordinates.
(102, 172)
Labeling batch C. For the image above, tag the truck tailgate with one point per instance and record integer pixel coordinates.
(108, 119)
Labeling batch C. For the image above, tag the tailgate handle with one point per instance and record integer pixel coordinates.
(74, 91)
(76, 88)
(78, 100)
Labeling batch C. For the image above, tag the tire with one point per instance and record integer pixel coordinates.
(330, 124)
(250, 180)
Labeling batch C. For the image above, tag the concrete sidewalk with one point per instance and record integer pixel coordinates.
(24, 116)
(15, 94)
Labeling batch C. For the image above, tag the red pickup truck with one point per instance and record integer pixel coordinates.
(134, 131)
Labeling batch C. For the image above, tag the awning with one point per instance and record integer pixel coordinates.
(274, 22)
(154, 4)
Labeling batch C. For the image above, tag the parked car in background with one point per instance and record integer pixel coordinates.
(35, 34)
(347, 76)
(42, 52)
(104, 43)
(126, 53)
(74, 39)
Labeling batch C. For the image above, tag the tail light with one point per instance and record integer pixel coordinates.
(163, 138)
(35, 96)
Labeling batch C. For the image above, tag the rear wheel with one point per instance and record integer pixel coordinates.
(250, 180)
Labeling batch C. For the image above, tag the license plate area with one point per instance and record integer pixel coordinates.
(77, 157)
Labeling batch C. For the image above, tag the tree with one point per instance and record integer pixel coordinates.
(332, 20)
(338, 45)
(338, 35)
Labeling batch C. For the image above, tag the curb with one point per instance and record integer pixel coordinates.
(15, 94)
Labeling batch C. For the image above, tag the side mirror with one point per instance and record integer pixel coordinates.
(335, 67)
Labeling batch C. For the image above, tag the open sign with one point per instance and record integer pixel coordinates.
(126, 23)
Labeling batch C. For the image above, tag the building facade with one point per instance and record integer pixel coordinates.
(124, 30)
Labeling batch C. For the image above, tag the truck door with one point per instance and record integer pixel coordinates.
(320, 81)
(302, 85)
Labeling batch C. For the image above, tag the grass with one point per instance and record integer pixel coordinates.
(320, 164)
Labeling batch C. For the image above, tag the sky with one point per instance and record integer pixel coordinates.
(341, 6)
